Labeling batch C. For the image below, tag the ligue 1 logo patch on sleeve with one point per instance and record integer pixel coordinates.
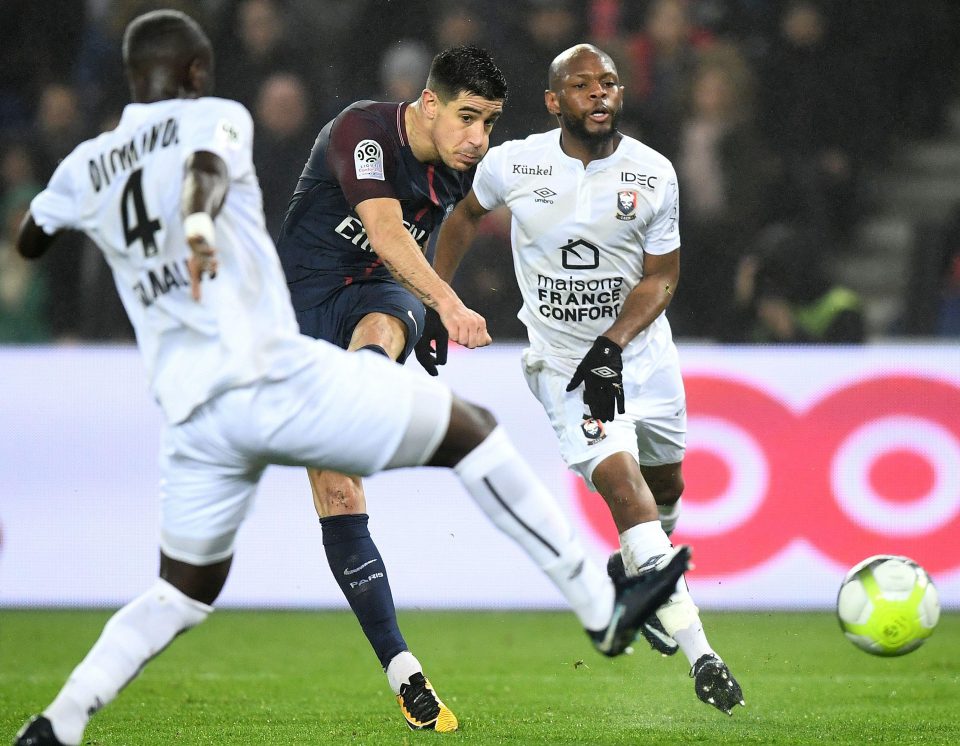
(592, 430)
(227, 134)
(626, 204)
(368, 160)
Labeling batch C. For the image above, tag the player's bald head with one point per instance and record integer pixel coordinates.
(164, 38)
(560, 66)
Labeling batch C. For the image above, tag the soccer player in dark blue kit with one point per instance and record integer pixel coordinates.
(379, 180)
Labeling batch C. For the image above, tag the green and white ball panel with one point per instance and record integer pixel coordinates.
(888, 605)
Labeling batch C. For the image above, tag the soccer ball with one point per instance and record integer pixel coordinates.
(888, 605)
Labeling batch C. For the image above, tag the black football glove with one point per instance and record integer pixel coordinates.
(431, 348)
(601, 372)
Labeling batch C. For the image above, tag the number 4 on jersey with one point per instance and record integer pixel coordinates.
(145, 228)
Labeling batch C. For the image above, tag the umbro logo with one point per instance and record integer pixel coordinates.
(650, 564)
(604, 372)
(544, 194)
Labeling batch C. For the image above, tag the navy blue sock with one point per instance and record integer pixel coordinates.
(376, 348)
(358, 567)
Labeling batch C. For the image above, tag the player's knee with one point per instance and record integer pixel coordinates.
(670, 491)
(620, 494)
(469, 427)
(338, 504)
(619, 481)
(665, 482)
(340, 500)
(202, 583)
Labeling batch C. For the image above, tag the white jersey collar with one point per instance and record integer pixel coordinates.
(594, 165)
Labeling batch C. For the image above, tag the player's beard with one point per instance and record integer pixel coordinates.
(578, 128)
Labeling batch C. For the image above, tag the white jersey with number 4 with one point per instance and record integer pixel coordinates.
(579, 236)
(123, 189)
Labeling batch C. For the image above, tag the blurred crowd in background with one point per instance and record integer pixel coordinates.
(781, 118)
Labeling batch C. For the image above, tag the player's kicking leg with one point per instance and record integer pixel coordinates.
(361, 573)
(441, 430)
(518, 503)
(179, 600)
(340, 502)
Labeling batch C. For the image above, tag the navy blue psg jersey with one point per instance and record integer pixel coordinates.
(362, 154)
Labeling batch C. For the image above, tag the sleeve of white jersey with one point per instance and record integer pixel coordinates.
(224, 128)
(663, 233)
(56, 208)
(488, 181)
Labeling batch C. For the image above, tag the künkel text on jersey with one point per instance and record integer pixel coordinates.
(569, 299)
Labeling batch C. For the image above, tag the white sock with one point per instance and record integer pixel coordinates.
(680, 618)
(515, 499)
(400, 668)
(679, 615)
(642, 545)
(587, 589)
(669, 515)
(132, 636)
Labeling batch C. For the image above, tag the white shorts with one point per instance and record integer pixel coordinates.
(356, 413)
(653, 429)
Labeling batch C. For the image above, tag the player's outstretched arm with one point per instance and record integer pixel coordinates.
(205, 185)
(383, 221)
(431, 348)
(456, 236)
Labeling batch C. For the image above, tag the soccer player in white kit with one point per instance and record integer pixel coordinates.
(171, 198)
(596, 253)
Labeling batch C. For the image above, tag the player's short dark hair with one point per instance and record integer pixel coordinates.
(162, 36)
(466, 70)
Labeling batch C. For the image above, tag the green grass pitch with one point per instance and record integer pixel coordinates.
(512, 678)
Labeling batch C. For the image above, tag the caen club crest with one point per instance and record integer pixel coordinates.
(592, 430)
(626, 204)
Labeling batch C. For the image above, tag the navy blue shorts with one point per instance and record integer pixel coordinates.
(335, 319)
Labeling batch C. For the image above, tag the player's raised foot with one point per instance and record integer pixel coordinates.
(422, 708)
(637, 599)
(652, 630)
(37, 732)
(715, 684)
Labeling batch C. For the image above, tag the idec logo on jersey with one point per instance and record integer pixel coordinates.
(871, 467)
(641, 180)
